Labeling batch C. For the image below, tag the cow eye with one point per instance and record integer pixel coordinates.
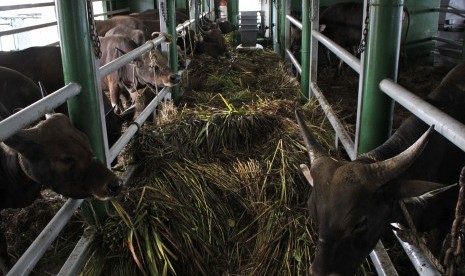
(361, 225)
(67, 160)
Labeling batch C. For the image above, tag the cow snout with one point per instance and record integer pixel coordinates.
(114, 187)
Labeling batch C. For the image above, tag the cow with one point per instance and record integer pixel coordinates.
(352, 202)
(138, 36)
(146, 70)
(103, 26)
(53, 154)
(212, 43)
(44, 64)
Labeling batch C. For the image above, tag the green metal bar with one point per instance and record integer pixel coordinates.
(305, 52)
(282, 27)
(80, 66)
(171, 26)
(197, 16)
(381, 61)
(233, 11)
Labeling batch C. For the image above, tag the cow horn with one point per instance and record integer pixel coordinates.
(315, 150)
(388, 169)
(44, 93)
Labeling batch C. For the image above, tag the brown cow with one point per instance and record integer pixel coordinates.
(44, 64)
(353, 202)
(53, 153)
(145, 70)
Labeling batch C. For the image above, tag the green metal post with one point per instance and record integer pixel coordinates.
(80, 66)
(171, 26)
(381, 61)
(197, 16)
(305, 56)
(233, 11)
(282, 27)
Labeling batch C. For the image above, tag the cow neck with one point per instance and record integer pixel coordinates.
(24, 169)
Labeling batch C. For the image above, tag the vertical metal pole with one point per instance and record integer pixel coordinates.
(382, 58)
(282, 27)
(314, 13)
(360, 85)
(463, 47)
(305, 52)
(233, 11)
(171, 26)
(287, 26)
(80, 65)
(196, 14)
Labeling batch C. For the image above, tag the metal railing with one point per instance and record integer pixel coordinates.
(49, 24)
(30, 114)
(447, 126)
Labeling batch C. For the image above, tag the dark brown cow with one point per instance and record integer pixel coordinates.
(53, 154)
(353, 202)
(146, 70)
(44, 64)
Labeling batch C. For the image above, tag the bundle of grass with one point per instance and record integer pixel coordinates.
(218, 190)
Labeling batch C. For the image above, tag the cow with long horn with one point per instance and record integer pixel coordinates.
(353, 202)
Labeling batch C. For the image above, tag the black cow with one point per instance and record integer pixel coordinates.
(53, 153)
(148, 69)
(352, 202)
(44, 64)
(212, 43)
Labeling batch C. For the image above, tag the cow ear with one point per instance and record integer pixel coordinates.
(307, 173)
(414, 190)
(23, 142)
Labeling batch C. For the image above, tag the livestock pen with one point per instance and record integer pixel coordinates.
(235, 100)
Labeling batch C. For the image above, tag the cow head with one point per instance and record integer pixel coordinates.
(352, 202)
(152, 69)
(54, 153)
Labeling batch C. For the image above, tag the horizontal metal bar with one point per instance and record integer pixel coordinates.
(449, 10)
(294, 61)
(133, 128)
(338, 126)
(112, 12)
(38, 247)
(126, 58)
(447, 126)
(294, 21)
(382, 262)
(26, 6)
(187, 23)
(339, 51)
(76, 259)
(423, 265)
(26, 29)
(32, 113)
(448, 41)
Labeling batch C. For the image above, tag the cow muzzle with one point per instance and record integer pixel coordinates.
(114, 187)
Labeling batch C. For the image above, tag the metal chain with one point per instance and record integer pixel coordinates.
(93, 30)
(454, 254)
(363, 41)
(411, 236)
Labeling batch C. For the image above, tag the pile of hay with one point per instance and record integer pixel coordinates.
(218, 189)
